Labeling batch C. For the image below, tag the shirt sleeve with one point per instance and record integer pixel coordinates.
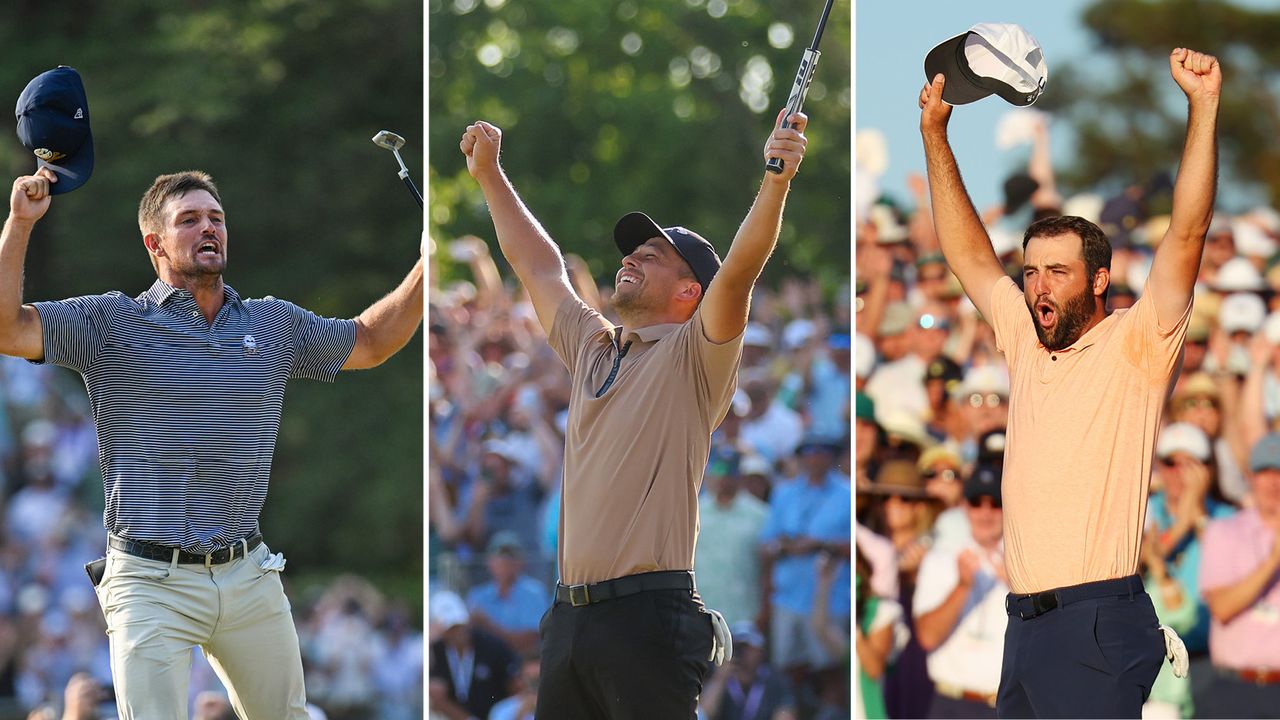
(76, 329)
(1163, 346)
(575, 323)
(938, 576)
(1010, 319)
(321, 345)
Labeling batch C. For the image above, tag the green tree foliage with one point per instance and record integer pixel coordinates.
(1130, 125)
(661, 105)
(277, 99)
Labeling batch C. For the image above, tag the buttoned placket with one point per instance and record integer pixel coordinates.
(185, 305)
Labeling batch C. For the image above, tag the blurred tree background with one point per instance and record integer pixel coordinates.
(661, 105)
(277, 100)
(1130, 126)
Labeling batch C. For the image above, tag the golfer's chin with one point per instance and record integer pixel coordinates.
(1052, 339)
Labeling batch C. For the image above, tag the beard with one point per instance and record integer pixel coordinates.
(1072, 319)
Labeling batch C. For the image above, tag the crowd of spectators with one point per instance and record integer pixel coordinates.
(362, 653)
(773, 554)
(931, 407)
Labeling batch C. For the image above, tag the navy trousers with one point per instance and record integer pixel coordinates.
(1085, 651)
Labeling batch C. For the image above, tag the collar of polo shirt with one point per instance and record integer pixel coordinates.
(1089, 338)
(649, 334)
(160, 292)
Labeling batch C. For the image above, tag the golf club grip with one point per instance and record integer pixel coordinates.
(795, 101)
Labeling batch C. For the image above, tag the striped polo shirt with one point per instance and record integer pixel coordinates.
(187, 413)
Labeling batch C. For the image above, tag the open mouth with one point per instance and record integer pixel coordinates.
(627, 278)
(1046, 314)
(208, 249)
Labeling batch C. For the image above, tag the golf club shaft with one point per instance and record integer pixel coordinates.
(800, 86)
(412, 188)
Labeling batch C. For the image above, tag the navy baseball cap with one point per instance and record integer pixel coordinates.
(984, 482)
(53, 123)
(636, 228)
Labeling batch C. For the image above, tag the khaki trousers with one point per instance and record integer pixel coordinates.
(236, 612)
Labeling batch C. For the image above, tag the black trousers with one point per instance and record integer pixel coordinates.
(639, 657)
(1089, 658)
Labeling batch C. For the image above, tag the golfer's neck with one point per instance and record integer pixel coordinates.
(207, 290)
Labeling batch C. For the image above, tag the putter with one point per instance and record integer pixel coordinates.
(393, 142)
(800, 87)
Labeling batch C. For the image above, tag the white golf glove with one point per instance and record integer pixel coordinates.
(721, 640)
(273, 562)
(1175, 651)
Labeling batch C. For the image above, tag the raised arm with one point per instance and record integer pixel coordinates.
(21, 333)
(724, 309)
(1177, 260)
(385, 326)
(963, 239)
(532, 253)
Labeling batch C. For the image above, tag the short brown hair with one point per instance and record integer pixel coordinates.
(165, 187)
(1094, 245)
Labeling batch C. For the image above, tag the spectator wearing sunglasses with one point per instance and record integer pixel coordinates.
(940, 466)
(983, 403)
(1198, 399)
(959, 609)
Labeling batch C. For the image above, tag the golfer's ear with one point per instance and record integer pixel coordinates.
(152, 242)
(1101, 281)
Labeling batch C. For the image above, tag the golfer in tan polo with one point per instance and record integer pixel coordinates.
(628, 636)
(1087, 392)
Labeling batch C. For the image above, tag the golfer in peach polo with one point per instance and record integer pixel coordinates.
(1087, 392)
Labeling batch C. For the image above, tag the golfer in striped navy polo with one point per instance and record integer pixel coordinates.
(186, 382)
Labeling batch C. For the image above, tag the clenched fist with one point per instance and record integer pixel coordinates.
(30, 197)
(1197, 73)
(481, 143)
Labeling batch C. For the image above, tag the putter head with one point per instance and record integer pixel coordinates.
(389, 140)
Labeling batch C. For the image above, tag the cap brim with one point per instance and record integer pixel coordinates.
(635, 229)
(945, 58)
(73, 171)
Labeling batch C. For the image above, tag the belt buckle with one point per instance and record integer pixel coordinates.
(1044, 602)
(573, 597)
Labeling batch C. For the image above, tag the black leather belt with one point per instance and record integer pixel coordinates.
(164, 553)
(1033, 605)
(579, 595)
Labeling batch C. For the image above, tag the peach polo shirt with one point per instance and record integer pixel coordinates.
(1083, 423)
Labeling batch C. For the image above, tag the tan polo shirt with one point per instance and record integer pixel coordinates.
(1082, 430)
(634, 457)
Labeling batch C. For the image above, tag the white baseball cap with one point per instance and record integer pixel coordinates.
(1251, 238)
(1182, 437)
(1242, 312)
(448, 609)
(757, 335)
(985, 379)
(999, 58)
(1238, 275)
